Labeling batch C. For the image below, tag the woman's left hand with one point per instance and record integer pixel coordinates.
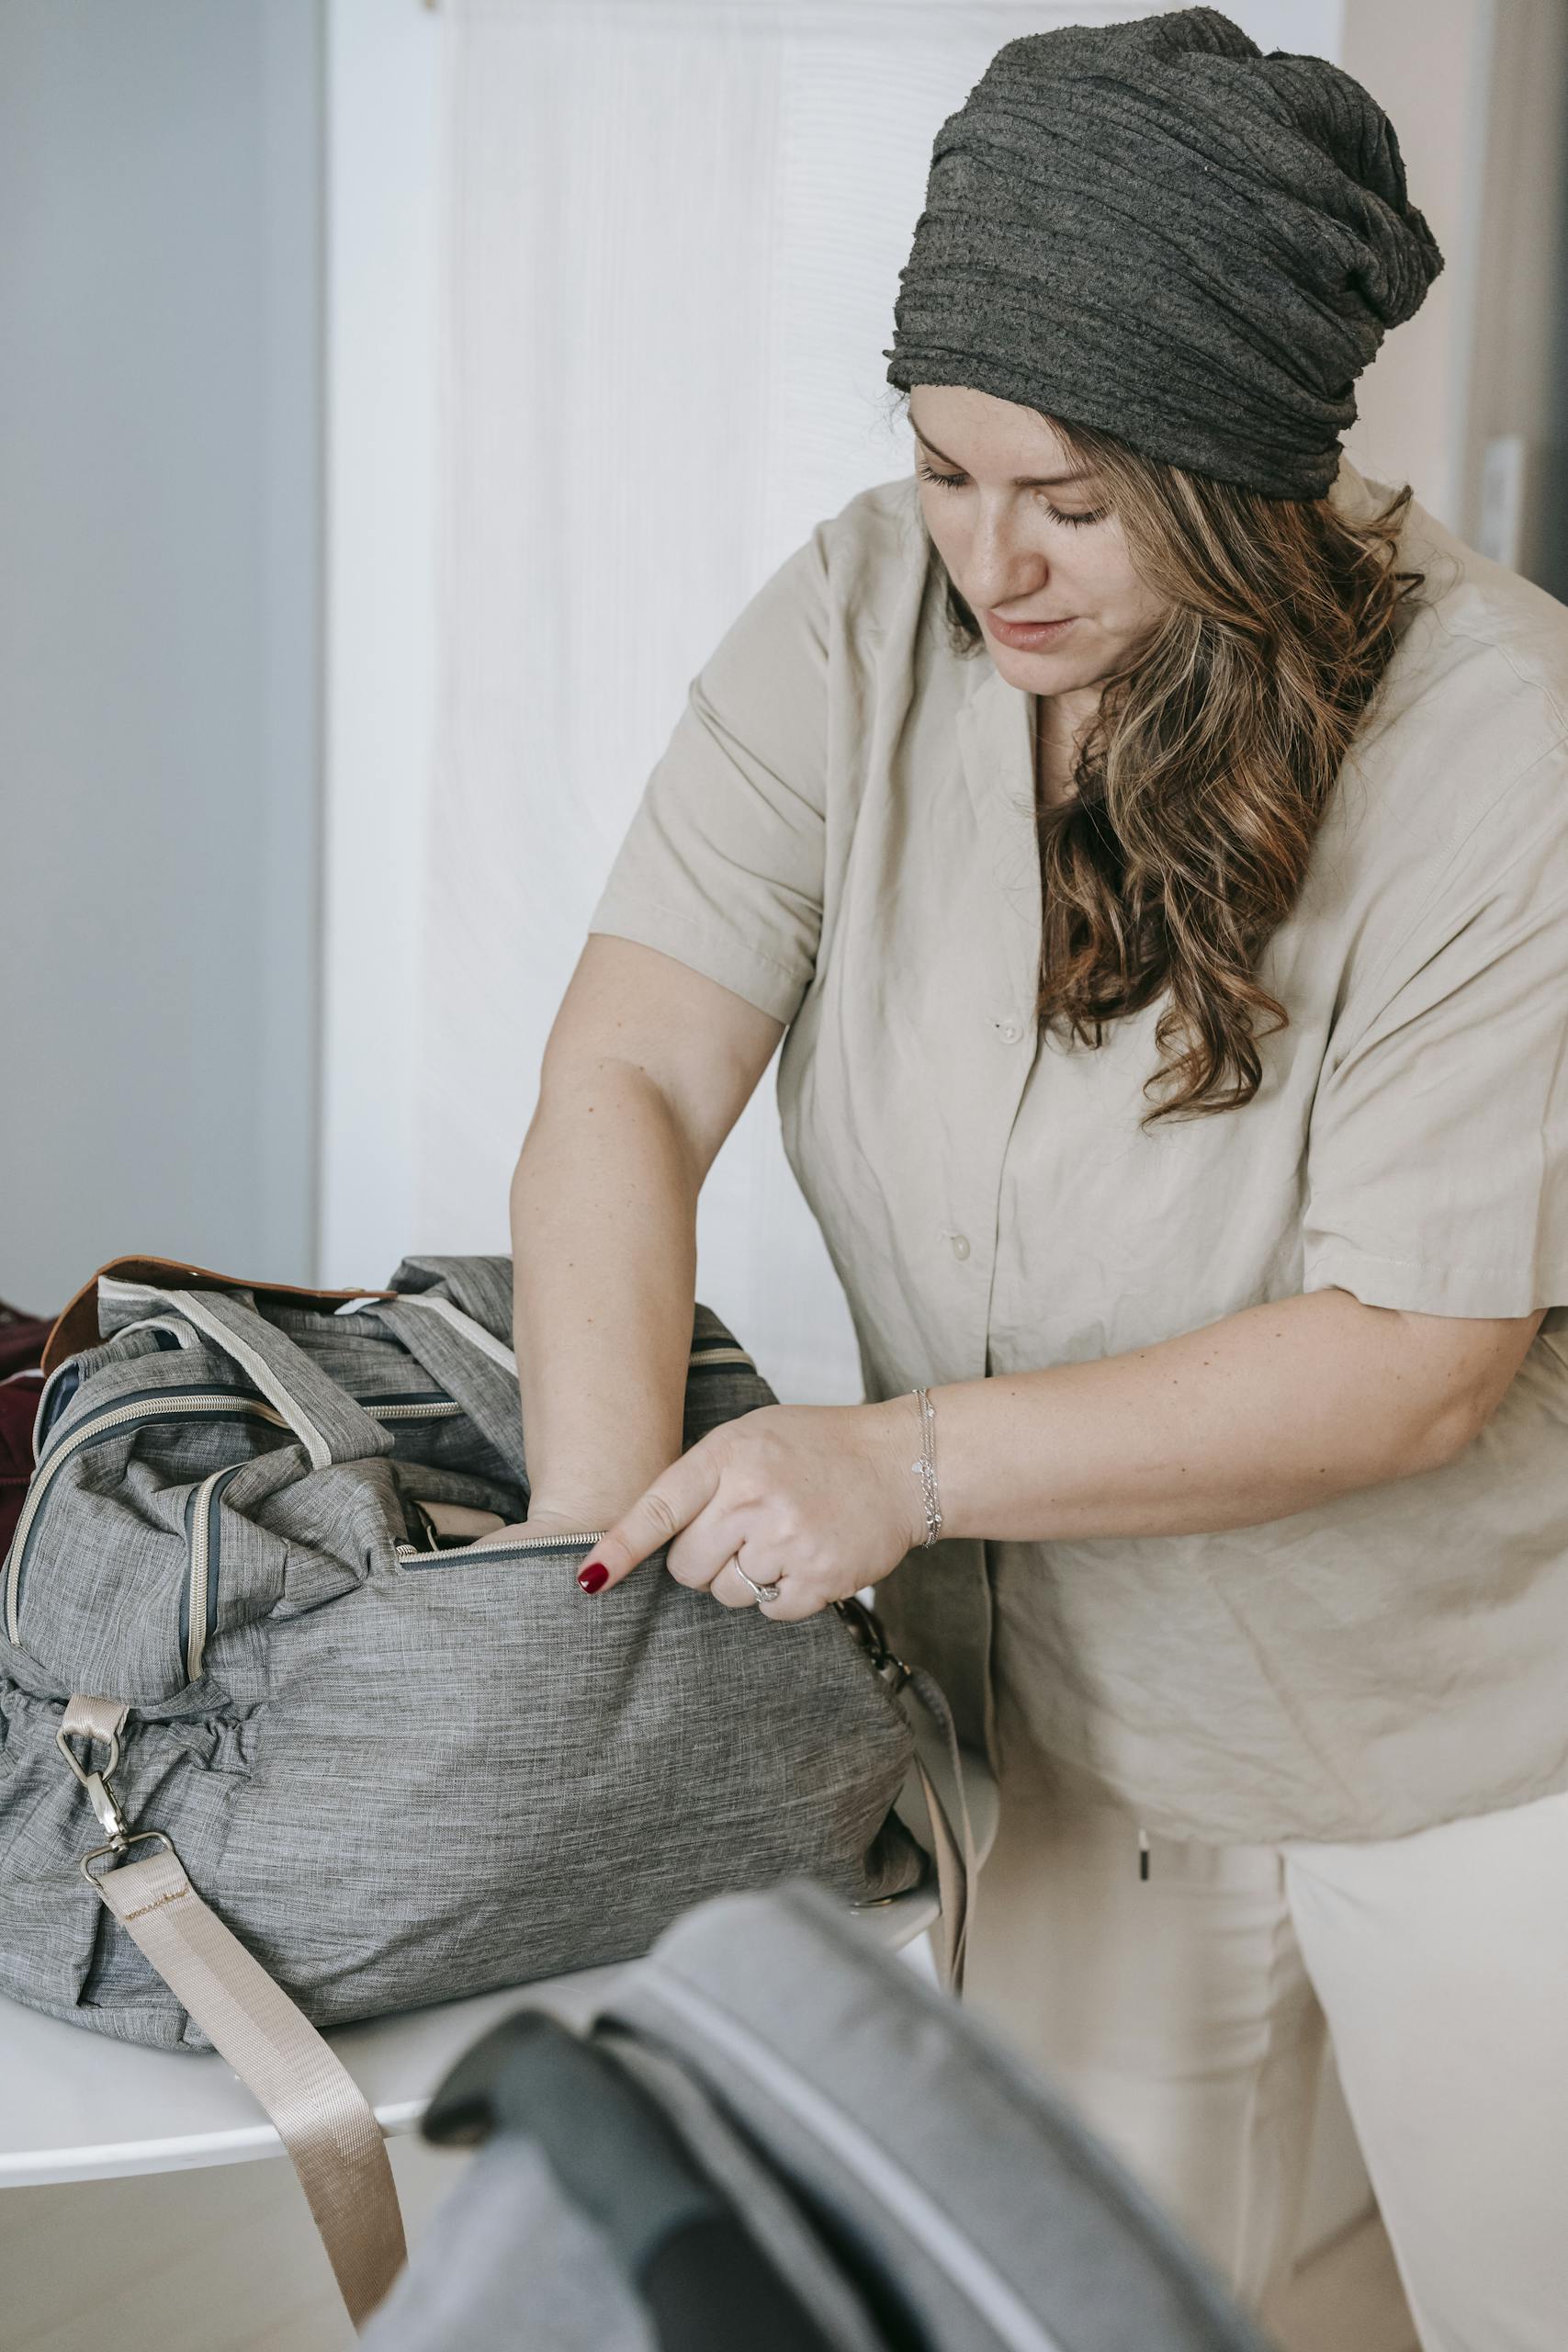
(819, 1498)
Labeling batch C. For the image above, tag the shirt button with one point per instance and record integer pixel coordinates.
(960, 1246)
(1010, 1033)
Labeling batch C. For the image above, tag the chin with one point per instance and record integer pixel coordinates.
(1060, 669)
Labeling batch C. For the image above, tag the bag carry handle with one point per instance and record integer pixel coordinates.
(328, 1423)
(322, 2117)
(473, 1366)
(76, 1325)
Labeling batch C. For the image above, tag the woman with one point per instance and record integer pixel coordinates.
(1174, 1005)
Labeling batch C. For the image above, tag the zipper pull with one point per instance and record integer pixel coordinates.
(1143, 1852)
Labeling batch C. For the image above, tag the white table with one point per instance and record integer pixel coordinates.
(78, 2106)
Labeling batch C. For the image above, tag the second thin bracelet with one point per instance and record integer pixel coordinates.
(926, 1466)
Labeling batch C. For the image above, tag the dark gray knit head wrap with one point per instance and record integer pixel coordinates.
(1156, 229)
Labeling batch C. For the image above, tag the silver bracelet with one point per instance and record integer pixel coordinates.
(926, 1466)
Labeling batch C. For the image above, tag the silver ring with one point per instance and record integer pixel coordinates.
(764, 1592)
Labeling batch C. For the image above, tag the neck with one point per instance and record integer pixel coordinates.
(1060, 722)
(1065, 718)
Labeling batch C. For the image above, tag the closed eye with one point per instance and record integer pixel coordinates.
(956, 481)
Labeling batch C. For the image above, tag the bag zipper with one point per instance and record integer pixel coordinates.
(494, 1551)
(201, 1584)
(411, 1409)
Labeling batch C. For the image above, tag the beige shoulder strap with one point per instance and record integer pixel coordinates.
(956, 1865)
(323, 2118)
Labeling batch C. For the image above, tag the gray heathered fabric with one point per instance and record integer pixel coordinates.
(512, 2258)
(958, 2174)
(397, 1783)
(917, 2181)
(787, 2235)
(1158, 229)
(509, 2264)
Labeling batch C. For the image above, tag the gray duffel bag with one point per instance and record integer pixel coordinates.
(345, 1760)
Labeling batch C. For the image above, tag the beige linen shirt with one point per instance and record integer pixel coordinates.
(842, 831)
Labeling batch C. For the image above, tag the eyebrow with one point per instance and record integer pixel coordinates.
(1020, 481)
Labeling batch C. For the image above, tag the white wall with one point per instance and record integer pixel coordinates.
(158, 625)
(1471, 394)
(383, 214)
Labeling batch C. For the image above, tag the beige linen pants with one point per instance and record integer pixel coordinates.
(1184, 2017)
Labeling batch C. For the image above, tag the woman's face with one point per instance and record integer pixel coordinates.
(1044, 547)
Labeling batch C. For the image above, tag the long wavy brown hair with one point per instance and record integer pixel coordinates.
(1205, 777)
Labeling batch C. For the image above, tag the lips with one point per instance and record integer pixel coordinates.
(1028, 634)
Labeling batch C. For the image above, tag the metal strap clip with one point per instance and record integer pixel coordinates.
(866, 1626)
(122, 1846)
(100, 1795)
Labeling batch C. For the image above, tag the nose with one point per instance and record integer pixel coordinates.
(1003, 571)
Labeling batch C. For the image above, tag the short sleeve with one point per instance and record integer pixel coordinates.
(1438, 1151)
(722, 865)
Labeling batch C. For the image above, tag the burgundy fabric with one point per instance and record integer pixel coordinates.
(22, 1338)
(18, 1411)
(21, 1346)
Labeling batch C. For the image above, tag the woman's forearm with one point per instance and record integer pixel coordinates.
(1266, 1412)
(604, 1242)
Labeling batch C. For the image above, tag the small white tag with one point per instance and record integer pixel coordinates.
(457, 1523)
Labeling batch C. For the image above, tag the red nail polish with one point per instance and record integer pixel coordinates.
(593, 1575)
